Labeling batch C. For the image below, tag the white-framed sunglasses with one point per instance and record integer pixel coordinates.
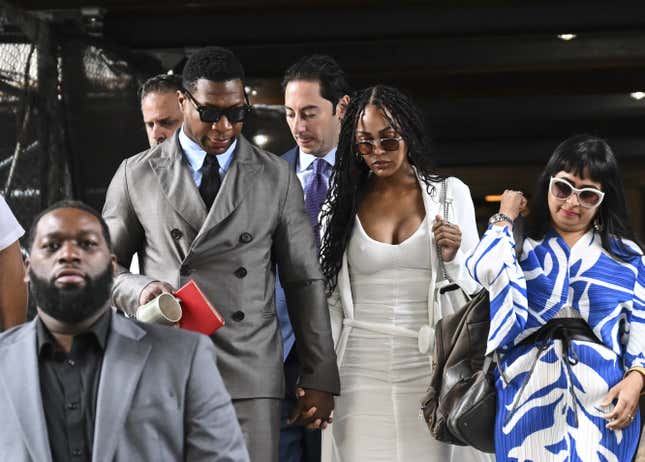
(561, 189)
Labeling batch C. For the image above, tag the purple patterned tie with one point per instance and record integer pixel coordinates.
(315, 193)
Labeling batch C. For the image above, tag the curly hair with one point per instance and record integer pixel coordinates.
(586, 155)
(212, 63)
(349, 180)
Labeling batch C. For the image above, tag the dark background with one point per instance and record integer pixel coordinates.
(498, 87)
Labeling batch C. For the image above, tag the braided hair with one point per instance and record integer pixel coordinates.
(350, 177)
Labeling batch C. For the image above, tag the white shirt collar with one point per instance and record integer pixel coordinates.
(195, 154)
(305, 160)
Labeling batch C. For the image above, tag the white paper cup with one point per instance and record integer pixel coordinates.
(164, 309)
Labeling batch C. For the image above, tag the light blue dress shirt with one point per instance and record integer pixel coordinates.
(305, 168)
(304, 172)
(195, 156)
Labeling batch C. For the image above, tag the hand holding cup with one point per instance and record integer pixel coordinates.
(164, 309)
(153, 290)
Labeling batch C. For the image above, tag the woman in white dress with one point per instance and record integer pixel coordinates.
(382, 220)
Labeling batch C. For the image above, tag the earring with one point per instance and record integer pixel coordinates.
(597, 223)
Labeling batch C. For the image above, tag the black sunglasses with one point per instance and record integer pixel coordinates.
(211, 114)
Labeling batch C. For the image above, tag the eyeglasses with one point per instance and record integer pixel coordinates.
(366, 147)
(211, 114)
(587, 197)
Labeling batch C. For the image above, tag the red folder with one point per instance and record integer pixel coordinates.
(197, 312)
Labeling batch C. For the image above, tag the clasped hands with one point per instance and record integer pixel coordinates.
(313, 409)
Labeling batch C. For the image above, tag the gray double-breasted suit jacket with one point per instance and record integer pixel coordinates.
(159, 398)
(258, 219)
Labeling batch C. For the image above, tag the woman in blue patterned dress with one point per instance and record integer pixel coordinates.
(568, 317)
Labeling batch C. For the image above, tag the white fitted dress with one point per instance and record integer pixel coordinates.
(383, 376)
(378, 308)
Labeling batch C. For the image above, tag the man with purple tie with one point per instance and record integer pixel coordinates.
(316, 94)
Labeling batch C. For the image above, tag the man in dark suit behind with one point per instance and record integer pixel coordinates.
(80, 383)
(159, 107)
(207, 205)
(315, 97)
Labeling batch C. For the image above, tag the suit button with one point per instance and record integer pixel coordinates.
(241, 272)
(245, 238)
(238, 316)
(184, 271)
(176, 234)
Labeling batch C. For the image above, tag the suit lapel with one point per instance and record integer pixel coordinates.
(19, 363)
(123, 363)
(177, 184)
(291, 157)
(241, 175)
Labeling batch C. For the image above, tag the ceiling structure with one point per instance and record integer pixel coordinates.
(481, 70)
(496, 82)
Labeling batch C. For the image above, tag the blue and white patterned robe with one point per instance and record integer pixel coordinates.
(548, 280)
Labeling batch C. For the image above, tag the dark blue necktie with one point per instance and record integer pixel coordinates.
(315, 193)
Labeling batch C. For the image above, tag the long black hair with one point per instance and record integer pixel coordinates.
(587, 156)
(349, 180)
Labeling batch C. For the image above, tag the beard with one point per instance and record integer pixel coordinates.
(72, 305)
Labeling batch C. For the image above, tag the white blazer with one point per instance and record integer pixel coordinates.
(461, 211)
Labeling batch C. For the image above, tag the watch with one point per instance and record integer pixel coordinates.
(500, 217)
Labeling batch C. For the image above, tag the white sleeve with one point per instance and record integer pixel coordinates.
(495, 266)
(336, 315)
(462, 213)
(635, 348)
(10, 229)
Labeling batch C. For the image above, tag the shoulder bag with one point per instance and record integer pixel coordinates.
(460, 404)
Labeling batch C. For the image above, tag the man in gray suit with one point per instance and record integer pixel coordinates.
(209, 206)
(80, 383)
